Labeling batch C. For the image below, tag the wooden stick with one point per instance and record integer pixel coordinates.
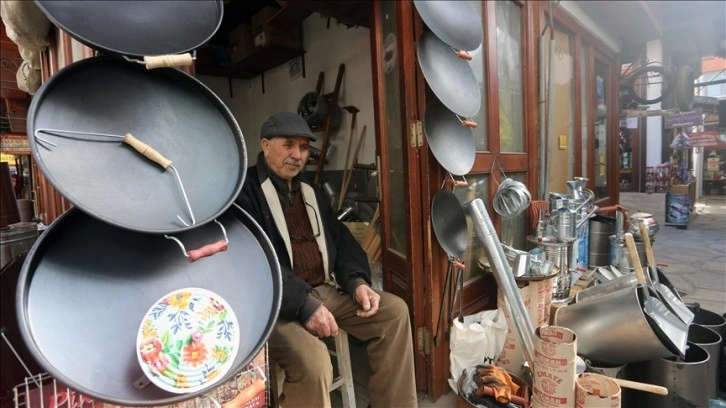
(652, 388)
(347, 159)
(346, 181)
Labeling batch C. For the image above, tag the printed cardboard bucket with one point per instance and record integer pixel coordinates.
(596, 391)
(555, 357)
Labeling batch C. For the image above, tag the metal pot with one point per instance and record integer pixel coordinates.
(166, 109)
(642, 218)
(682, 377)
(86, 286)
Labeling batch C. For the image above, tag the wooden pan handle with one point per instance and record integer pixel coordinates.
(457, 183)
(646, 243)
(147, 151)
(634, 258)
(174, 60)
(207, 250)
(652, 388)
(463, 55)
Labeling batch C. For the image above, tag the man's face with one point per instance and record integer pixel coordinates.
(286, 156)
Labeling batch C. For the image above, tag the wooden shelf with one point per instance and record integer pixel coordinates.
(261, 60)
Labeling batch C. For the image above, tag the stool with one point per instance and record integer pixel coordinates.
(344, 380)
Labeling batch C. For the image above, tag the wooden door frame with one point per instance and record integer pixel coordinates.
(402, 277)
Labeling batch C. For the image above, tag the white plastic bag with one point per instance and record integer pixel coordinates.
(479, 339)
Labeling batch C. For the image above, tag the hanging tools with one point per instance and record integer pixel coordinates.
(141, 147)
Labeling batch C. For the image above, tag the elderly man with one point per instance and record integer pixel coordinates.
(325, 279)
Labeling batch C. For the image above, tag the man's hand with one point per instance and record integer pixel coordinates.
(368, 299)
(322, 323)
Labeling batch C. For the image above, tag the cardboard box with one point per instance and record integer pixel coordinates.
(681, 189)
(260, 19)
(241, 42)
(274, 37)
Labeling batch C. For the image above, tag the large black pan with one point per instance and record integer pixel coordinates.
(137, 27)
(451, 78)
(457, 23)
(86, 286)
(449, 223)
(451, 142)
(165, 108)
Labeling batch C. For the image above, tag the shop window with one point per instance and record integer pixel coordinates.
(601, 129)
(584, 107)
(561, 142)
(509, 76)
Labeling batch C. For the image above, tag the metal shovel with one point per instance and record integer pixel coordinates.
(669, 298)
(669, 328)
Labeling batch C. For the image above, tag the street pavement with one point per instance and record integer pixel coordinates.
(696, 255)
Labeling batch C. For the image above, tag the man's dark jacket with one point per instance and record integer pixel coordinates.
(347, 261)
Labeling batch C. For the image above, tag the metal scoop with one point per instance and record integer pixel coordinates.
(669, 328)
(669, 298)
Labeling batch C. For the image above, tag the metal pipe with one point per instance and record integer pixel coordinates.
(504, 277)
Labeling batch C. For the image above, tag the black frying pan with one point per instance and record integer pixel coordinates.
(451, 78)
(449, 223)
(165, 108)
(451, 142)
(137, 27)
(86, 286)
(457, 23)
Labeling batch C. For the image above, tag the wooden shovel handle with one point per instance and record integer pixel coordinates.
(652, 388)
(646, 244)
(634, 258)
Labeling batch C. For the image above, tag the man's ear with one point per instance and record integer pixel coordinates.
(265, 144)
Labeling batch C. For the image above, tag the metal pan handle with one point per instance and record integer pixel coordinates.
(207, 250)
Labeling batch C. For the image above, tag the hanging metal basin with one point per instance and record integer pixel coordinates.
(451, 142)
(457, 23)
(86, 286)
(137, 27)
(451, 78)
(168, 110)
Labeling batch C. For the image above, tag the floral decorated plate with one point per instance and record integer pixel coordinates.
(188, 340)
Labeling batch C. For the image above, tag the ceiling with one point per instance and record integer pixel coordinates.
(350, 12)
